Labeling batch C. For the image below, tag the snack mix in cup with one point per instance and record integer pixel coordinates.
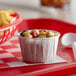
(38, 45)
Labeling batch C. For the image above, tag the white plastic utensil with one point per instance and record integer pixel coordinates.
(69, 40)
(74, 49)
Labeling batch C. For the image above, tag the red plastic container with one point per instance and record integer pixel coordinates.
(59, 69)
(8, 31)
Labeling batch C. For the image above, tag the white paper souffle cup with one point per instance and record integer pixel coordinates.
(38, 49)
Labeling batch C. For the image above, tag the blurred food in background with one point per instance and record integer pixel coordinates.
(54, 3)
(5, 17)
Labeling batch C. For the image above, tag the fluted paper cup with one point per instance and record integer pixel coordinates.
(38, 49)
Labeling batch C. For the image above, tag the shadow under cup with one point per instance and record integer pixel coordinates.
(39, 49)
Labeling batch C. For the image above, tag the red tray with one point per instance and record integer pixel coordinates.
(47, 69)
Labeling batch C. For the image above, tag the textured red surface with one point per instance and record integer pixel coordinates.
(60, 69)
(52, 24)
